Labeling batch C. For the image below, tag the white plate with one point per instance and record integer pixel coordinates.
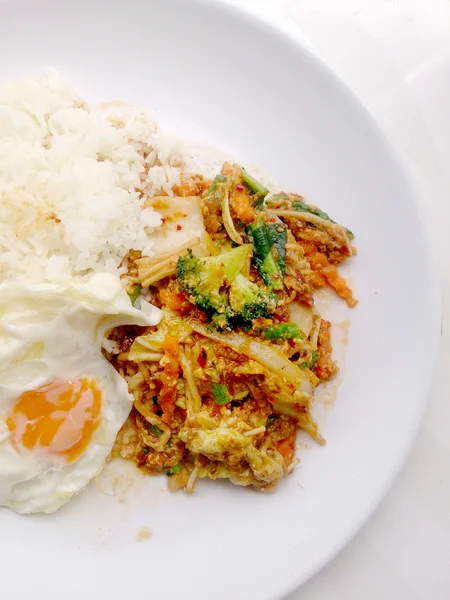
(254, 90)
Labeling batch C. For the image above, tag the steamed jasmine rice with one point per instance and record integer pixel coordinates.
(74, 181)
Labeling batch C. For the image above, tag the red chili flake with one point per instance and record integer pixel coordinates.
(308, 300)
(215, 410)
(240, 187)
(198, 314)
(282, 315)
(291, 343)
(202, 358)
(141, 458)
(179, 227)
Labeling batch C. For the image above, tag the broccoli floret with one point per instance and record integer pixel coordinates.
(224, 321)
(201, 282)
(248, 301)
(203, 278)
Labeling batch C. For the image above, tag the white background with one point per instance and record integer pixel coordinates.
(395, 55)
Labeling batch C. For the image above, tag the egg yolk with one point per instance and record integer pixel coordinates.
(58, 418)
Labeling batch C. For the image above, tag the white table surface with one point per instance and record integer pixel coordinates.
(395, 54)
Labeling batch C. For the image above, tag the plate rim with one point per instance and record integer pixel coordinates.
(434, 295)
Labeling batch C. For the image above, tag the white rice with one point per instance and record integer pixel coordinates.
(73, 181)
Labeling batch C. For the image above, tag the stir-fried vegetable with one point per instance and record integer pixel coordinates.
(298, 204)
(222, 384)
(242, 205)
(219, 192)
(253, 184)
(215, 189)
(249, 301)
(147, 348)
(214, 444)
(220, 393)
(301, 206)
(135, 294)
(258, 190)
(169, 376)
(278, 235)
(228, 222)
(145, 420)
(270, 420)
(155, 430)
(194, 400)
(302, 316)
(173, 470)
(153, 269)
(203, 278)
(325, 272)
(284, 331)
(215, 284)
(260, 236)
(259, 351)
(310, 364)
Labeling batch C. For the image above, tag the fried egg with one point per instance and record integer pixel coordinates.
(61, 402)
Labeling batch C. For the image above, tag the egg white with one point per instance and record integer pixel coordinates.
(49, 332)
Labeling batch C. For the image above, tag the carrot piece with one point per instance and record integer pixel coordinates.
(339, 284)
(240, 203)
(324, 272)
(287, 449)
(175, 301)
(318, 279)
